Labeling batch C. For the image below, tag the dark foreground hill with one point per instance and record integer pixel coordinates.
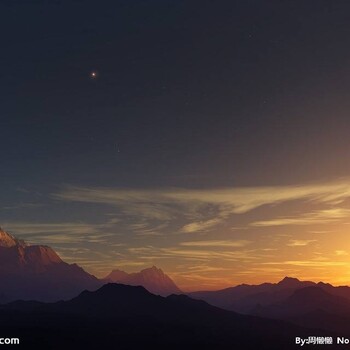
(125, 317)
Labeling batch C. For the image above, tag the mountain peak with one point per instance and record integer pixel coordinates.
(38, 254)
(37, 272)
(289, 281)
(322, 284)
(7, 240)
(154, 270)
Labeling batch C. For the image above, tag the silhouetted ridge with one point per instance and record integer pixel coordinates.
(7, 240)
(289, 282)
(115, 300)
(244, 298)
(113, 291)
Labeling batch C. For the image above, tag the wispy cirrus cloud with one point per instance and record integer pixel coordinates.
(62, 232)
(28, 228)
(316, 217)
(203, 251)
(205, 209)
(201, 225)
(239, 199)
(300, 242)
(341, 253)
(216, 243)
(22, 206)
(310, 263)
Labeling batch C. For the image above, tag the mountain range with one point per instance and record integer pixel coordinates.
(36, 272)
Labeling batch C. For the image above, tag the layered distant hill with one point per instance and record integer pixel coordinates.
(311, 307)
(37, 272)
(127, 317)
(244, 298)
(305, 303)
(153, 279)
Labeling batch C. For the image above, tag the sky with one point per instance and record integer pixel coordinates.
(212, 142)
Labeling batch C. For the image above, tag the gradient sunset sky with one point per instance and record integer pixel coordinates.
(214, 141)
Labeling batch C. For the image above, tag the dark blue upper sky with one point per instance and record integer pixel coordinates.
(193, 94)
